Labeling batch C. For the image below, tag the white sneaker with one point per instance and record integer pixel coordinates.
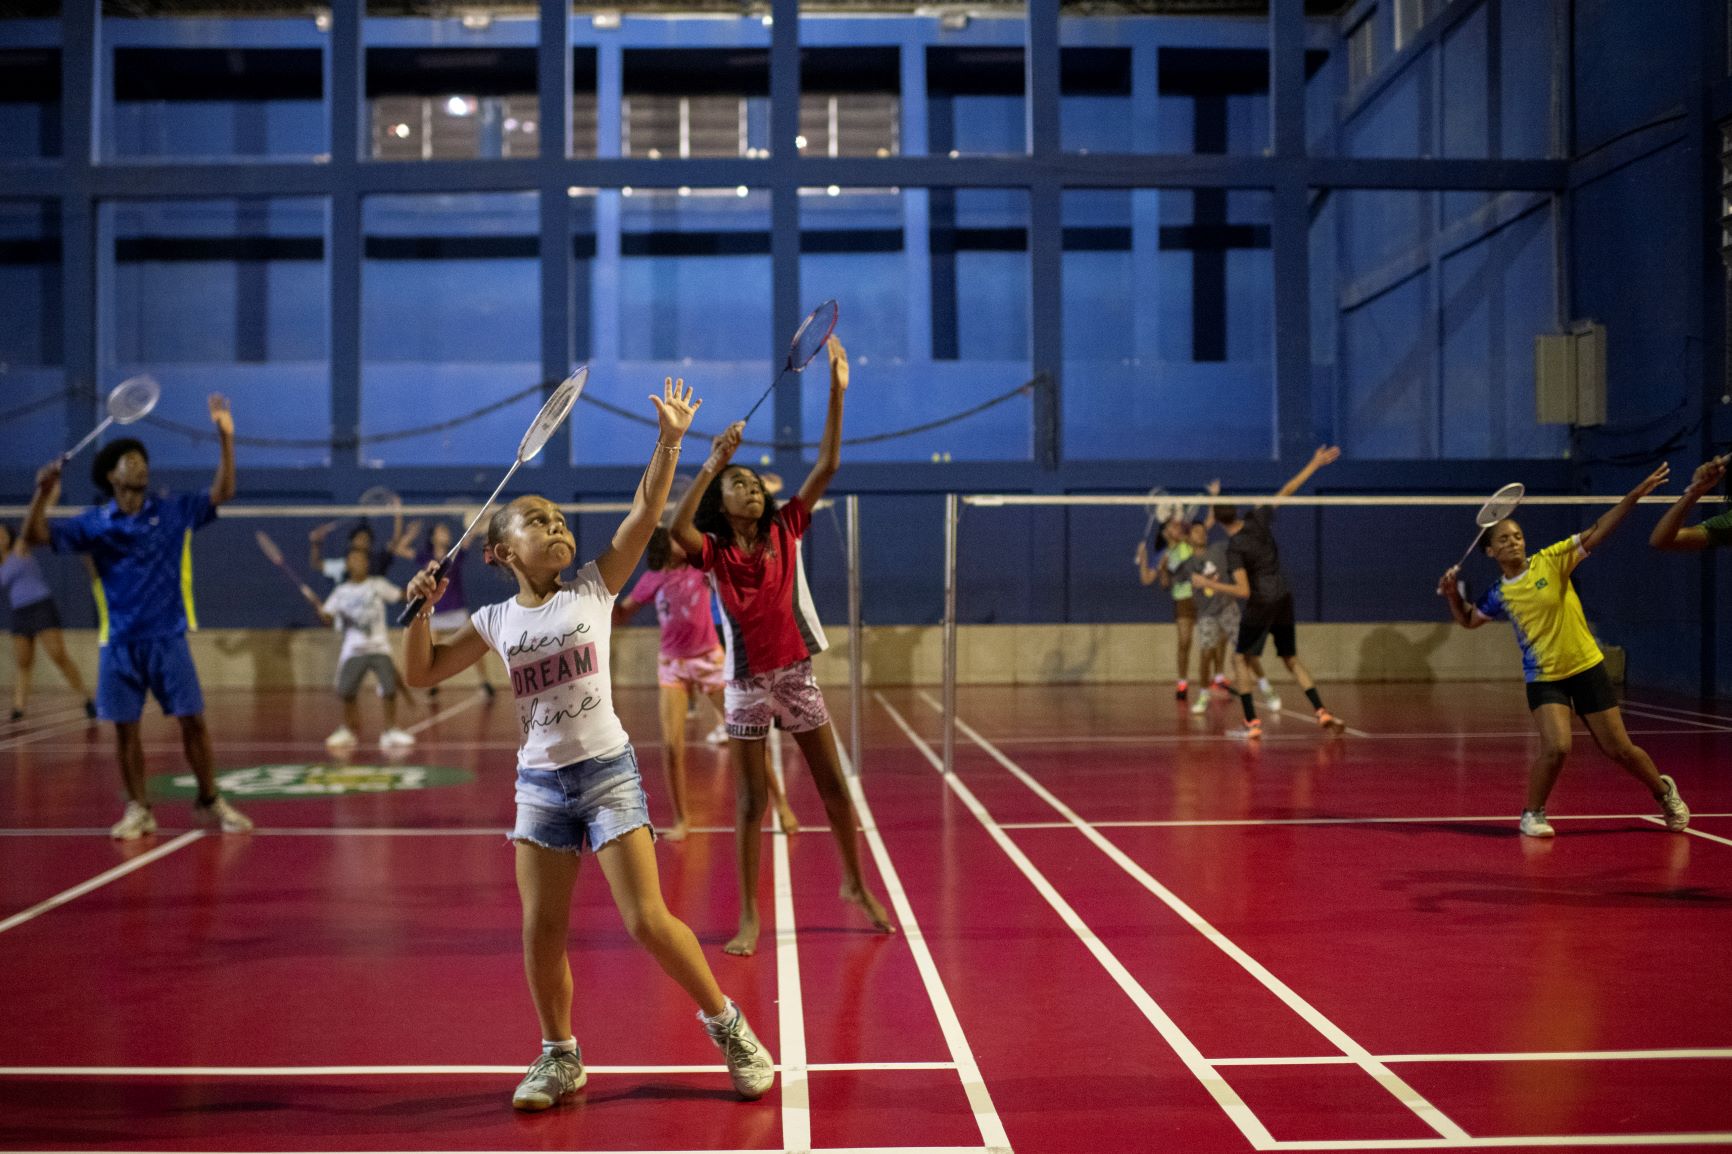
(342, 737)
(1201, 705)
(749, 1064)
(1534, 824)
(221, 813)
(553, 1077)
(717, 736)
(1677, 813)
(135, 823)
(1271, 701)
(396, 739)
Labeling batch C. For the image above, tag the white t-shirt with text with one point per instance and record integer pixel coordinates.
(359, 607)
(558, 657)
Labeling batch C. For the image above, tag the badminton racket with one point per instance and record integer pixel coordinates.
(552, 415)
(808, 340)
(1160, 512)
(275, 556)
(1502, 504)
(131, 400)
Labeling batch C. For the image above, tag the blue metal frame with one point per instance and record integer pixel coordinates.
(79, 183)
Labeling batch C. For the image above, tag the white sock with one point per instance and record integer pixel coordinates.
(568, 1046)
(725, 1018)
(1263, 686)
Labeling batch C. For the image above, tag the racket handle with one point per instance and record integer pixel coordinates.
(413, 609)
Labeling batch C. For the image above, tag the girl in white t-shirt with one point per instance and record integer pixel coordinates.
(357, 607)
(577, 777)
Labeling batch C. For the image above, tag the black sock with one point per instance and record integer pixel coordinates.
(1249, 708)
(1316, 701)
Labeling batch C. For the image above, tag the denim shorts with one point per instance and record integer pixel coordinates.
(590, 802)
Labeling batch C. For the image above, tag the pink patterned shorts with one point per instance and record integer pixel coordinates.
(788, 697)
(700, 674)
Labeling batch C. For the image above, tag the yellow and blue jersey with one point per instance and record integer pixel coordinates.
(143, 564)
(1541, 603)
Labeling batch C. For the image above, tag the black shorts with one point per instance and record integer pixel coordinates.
(38, 617)
(1589, 691)
(1263, 621)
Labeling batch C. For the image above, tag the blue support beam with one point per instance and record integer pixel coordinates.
(553, 67)
(1046, 230)
(343, 252)
(786, 305)
(1290, 236)
(79, 75)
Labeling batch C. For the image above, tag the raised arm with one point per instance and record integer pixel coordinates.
(402, 544)
(674, 410)
(35, 529)
(1144, 573)
(1671, 534)
(1326, 455)
(424, 662)
(830, 447)
(1597, 533)
(722, 449)
(222, 488)
(1466, 616)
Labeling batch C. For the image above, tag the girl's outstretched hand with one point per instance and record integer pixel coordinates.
(675, 409)
(838, 364)
(1653, 480)
(727, 443)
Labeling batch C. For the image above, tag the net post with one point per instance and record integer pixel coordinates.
(856, 659)
(952, 519)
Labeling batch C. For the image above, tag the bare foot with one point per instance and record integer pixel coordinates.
(745, 943)
(790, 823)
(870, 905)
(677, 833)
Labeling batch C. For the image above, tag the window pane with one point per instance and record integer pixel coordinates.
(223, 296)
(933, 289)
(692, 300)
(452, 103)
(1168, 310)
(32, 410)
(685, 102)
(450, 322)
(30, 102)
(212, 88)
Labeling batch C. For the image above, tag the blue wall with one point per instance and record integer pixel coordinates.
(1157, 322)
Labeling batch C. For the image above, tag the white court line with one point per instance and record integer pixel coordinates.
(986, 1117)
(100, 880)
(1190, 738)
(1311, 720)
(1225, 1096)
(448, 712)
(45, 733)
(790, 1006)
(1661, 822)
(1639, 711)
(1720, 717)
(36, 721)
(1399, 1089)
(1205, 823)
(1707, 1139)
(398, 1071)
(1537, 1056)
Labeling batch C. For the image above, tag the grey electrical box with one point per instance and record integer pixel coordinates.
(1570, 376)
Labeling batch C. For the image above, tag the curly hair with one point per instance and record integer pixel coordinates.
(109, 456)
(710, 517)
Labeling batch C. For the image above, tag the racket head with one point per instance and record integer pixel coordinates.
(1502, 504)
(810, 337)
(133, 399)
(552, 415)
(379, 497)
(269, 548)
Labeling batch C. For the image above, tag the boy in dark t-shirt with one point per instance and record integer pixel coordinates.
(1254, 575)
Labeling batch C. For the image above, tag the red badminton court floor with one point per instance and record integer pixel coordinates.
(1121, 931)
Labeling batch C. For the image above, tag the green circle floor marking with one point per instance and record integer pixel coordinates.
(315, 779)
